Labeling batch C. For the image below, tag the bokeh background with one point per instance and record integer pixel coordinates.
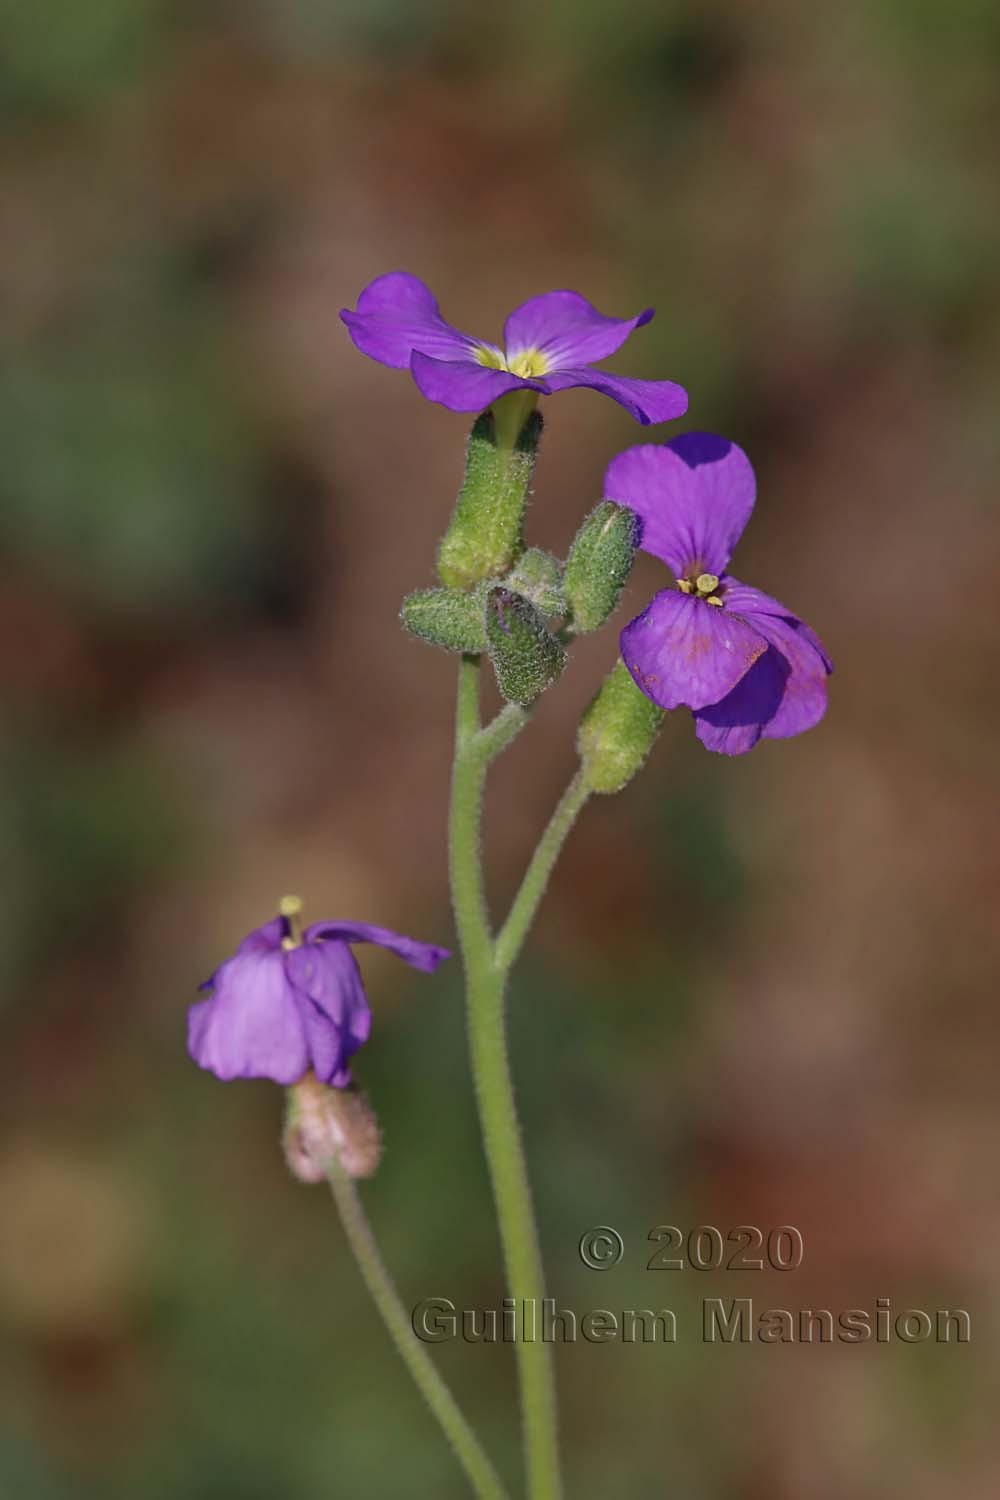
(762, 991)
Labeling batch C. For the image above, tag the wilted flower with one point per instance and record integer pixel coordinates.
(550, 343)
(747, 666)
(284, 1005)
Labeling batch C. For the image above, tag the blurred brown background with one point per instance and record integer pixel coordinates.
(761, 990)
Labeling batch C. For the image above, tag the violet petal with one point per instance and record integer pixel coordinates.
(784, 694)
(735, 724)
(332, 1003)
(464, 385)
(250, 1027)
(263, 939)
(749, 602)
(693, 495)
(397, 314)
(645, 400)
(567, 329)
(425, 956)
(684, 651)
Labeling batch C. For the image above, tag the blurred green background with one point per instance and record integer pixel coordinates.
(763, 990)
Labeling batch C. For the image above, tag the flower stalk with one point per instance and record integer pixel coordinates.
(479, 1470)
(487, 965)
(532, 889)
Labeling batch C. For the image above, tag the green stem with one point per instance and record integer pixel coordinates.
(525, 906)
(474, 748)
(481, 1473)
(499, 733)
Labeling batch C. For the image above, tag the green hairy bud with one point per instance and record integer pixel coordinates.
(538, 576)
(446, 617)
(617, 732)
(484, 538)
(525, 657)
(598, 565)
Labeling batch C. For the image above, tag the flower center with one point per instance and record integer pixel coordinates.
(289, 910)
(527, 363)
(702, 586)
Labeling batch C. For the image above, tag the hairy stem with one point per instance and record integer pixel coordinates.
(474, 749)
(526, 902)
(480, 1472)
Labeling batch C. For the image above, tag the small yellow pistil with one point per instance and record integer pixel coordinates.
(702, 587)
(290, 909)
(529, 364)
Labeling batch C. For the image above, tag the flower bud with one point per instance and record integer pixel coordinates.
(538, 576)
(525, 657)
(326, 1125)
(617, 732)
(449, 618)
(598, 565)
(484, 537)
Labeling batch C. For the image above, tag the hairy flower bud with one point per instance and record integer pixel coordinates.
(484, 537)
(617, 732)
(598, 565)
(449, 618)
(526, 658)
(538, 576)
(325, 1125)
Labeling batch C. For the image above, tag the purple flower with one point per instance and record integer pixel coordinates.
(550, 343)
(280, 1007)
(747, 666)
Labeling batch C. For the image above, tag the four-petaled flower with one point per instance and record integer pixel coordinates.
(549, 344)
(743, 663)
(280, 1007)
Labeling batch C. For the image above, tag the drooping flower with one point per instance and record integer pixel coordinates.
(284, 1005)
(744, 664)
(550, 343)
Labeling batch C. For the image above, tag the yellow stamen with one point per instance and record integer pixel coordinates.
(528, 363)
(706, 583)
(290, 909)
